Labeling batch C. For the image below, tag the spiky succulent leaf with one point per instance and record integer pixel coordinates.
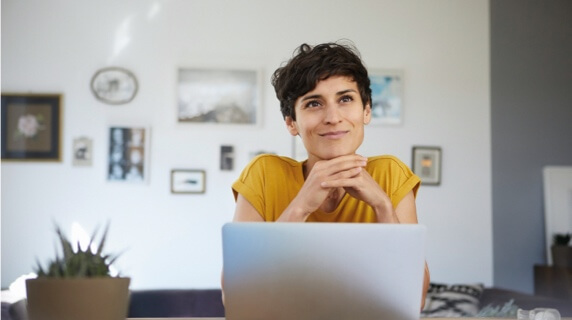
(79, 263)
(102, 243)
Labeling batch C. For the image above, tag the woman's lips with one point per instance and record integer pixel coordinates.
(334, 134)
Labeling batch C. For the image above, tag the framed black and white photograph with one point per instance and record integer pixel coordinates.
(188, 181)
(226, 158)
(218, 96)
(128, 154)
(387, 96)
(427, 164)
(31, 127)
(82, 152)
(114, 85)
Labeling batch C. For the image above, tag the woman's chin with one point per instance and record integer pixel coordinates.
(333, 155)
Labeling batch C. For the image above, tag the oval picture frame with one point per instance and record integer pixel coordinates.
(114, 85)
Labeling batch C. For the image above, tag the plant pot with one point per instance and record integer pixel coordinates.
(562, 256)
(78, 298)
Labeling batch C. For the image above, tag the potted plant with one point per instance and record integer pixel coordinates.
(561, 251)
(78, 285)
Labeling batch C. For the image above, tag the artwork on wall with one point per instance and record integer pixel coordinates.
(218, 96)
(31, 127)
(128, 154)
(387, 96)
(82, 151)
(226, 158)
(427, 164)
(114, 85)
(188, 181)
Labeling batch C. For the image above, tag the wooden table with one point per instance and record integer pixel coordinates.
(555, 282)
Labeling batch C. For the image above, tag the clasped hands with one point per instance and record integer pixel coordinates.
(329, 180)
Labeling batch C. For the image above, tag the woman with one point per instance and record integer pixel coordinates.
(325, 98)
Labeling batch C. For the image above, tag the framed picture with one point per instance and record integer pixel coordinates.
(128, 154)
(218, 96)
(387, 96)
(31, 127)
(226, 158)
(114, 85)
(188, 181)
(82, 151)
(427, 164)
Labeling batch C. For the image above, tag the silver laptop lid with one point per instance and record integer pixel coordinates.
(323, 271)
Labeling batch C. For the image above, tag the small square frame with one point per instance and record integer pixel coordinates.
(82, 152)
(427, 164)
(387, 96)
(31, 127)
(188, 181)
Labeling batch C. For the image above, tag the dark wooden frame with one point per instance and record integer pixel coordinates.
(44, 141)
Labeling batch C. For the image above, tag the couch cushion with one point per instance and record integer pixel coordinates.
(459, 300)
(176, 303)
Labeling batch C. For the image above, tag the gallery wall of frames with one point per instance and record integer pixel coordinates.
(32, 123)
(144, 113)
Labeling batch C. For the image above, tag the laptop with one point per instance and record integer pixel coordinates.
(312, 271)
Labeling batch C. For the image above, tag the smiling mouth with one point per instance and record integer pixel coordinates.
(334, 134)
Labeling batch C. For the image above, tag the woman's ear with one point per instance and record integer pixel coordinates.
(367, 114)
(291, 125)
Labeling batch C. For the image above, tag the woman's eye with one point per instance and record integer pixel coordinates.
(312, 104)
(346, 99)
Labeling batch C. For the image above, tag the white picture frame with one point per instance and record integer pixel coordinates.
(82, 152)
(128, 153)
(219, 96)
(427, 164)
(387, 87)
(114, 85)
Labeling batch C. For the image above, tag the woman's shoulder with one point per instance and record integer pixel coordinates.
(385, 158)
(272, 160)
(388, 161)
(264, 165)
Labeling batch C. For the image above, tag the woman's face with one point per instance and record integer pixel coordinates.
(330, 119)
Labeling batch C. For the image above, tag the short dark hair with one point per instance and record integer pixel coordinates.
(309, 65)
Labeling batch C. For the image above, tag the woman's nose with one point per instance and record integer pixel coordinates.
(332, 114)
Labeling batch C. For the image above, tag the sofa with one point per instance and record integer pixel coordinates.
(475, 300)
(208, 303)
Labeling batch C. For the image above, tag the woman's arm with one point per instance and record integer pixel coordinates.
(405, 212)
(244, 211)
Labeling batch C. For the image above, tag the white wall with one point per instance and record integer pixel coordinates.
(173, 241)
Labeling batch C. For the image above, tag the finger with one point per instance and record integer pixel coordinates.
(340, 164)
(355, 158)
(345, 178)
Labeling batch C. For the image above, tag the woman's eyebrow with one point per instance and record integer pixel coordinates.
(310, 97)
(345, 91)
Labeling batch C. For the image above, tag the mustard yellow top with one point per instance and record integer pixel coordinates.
(271, 182)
